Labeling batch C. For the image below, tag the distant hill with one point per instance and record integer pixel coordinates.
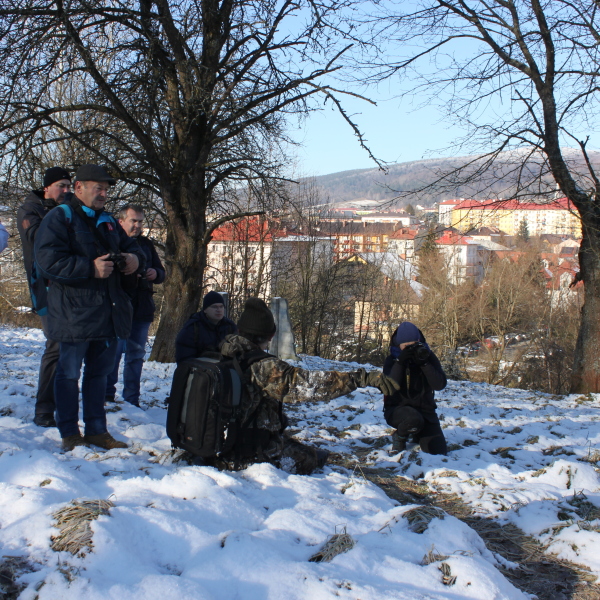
(372, 185)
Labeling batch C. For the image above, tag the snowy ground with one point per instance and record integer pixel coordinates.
(182, 532)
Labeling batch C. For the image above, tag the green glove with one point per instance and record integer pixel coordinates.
(386, 385)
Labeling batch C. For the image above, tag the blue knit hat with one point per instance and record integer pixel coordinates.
(406, 332)
(211, 298)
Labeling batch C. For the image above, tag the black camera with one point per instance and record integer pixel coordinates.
(118, 260)
(420, 351)
(143, 283)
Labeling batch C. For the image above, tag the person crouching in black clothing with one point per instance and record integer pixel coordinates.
(411, 410)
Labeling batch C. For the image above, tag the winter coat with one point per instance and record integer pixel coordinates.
(200, 335)
(141, 295)
(279, 382)
(29, 217)
(82, 307)
(417, 383)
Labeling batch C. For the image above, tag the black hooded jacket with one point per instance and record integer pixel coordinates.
(417, 382)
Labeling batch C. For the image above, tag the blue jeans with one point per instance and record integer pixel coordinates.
(135, 350)
(98, 358)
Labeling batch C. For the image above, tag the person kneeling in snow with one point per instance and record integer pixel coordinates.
(276, 382)
(411, 409)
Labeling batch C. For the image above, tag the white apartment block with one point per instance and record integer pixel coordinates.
(464, 260)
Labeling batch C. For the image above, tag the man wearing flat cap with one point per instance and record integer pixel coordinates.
(56, 184)
(82, 251)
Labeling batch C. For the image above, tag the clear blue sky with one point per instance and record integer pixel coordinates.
(393, 131)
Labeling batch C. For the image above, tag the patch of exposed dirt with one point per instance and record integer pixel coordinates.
(11, 567)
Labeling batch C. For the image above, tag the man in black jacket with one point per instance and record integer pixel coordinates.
(131, 218)
(205, 330)
(56, 183)
(411, 410)
(81, 249)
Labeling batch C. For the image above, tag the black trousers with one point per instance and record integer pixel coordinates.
(44, 404)
(424, 427)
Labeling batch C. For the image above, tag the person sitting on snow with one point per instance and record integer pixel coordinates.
(411, 409)
(204, 330)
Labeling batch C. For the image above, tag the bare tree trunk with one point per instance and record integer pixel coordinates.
(586, 366)
(182, 296)
(186, 257)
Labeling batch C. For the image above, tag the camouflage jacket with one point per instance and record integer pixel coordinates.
(277, 381)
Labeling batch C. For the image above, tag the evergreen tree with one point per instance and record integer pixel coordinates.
(523, 233)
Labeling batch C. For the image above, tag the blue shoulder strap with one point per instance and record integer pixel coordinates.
(68, 212)
(105, 217)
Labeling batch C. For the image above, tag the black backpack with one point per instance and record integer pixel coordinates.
(208, 398)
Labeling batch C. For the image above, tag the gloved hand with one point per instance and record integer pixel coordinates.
(386, 385)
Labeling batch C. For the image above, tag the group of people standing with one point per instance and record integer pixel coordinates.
(91, 279)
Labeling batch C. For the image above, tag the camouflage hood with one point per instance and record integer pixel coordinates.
(234, 345)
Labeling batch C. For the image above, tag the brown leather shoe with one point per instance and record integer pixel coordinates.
(104, 440)
(69, 442)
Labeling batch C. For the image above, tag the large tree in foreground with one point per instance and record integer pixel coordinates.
(523, 76)
(185, 99)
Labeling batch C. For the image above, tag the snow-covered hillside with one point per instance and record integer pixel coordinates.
(179, 532)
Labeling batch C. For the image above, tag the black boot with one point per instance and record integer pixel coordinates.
(44, 420)
(398, 443)
(322, 456)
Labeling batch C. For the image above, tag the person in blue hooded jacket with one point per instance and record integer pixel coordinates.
(411, 410)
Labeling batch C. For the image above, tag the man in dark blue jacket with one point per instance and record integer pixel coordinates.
(131, 218)
(56, 183)
(205, 330)
(411, 409)
(83, 251)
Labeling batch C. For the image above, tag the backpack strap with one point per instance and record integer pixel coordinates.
(66, 208)
(235, 427)
(241, 364)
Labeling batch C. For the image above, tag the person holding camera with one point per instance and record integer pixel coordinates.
(83, 252)
(411, 410)
(131, 218)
